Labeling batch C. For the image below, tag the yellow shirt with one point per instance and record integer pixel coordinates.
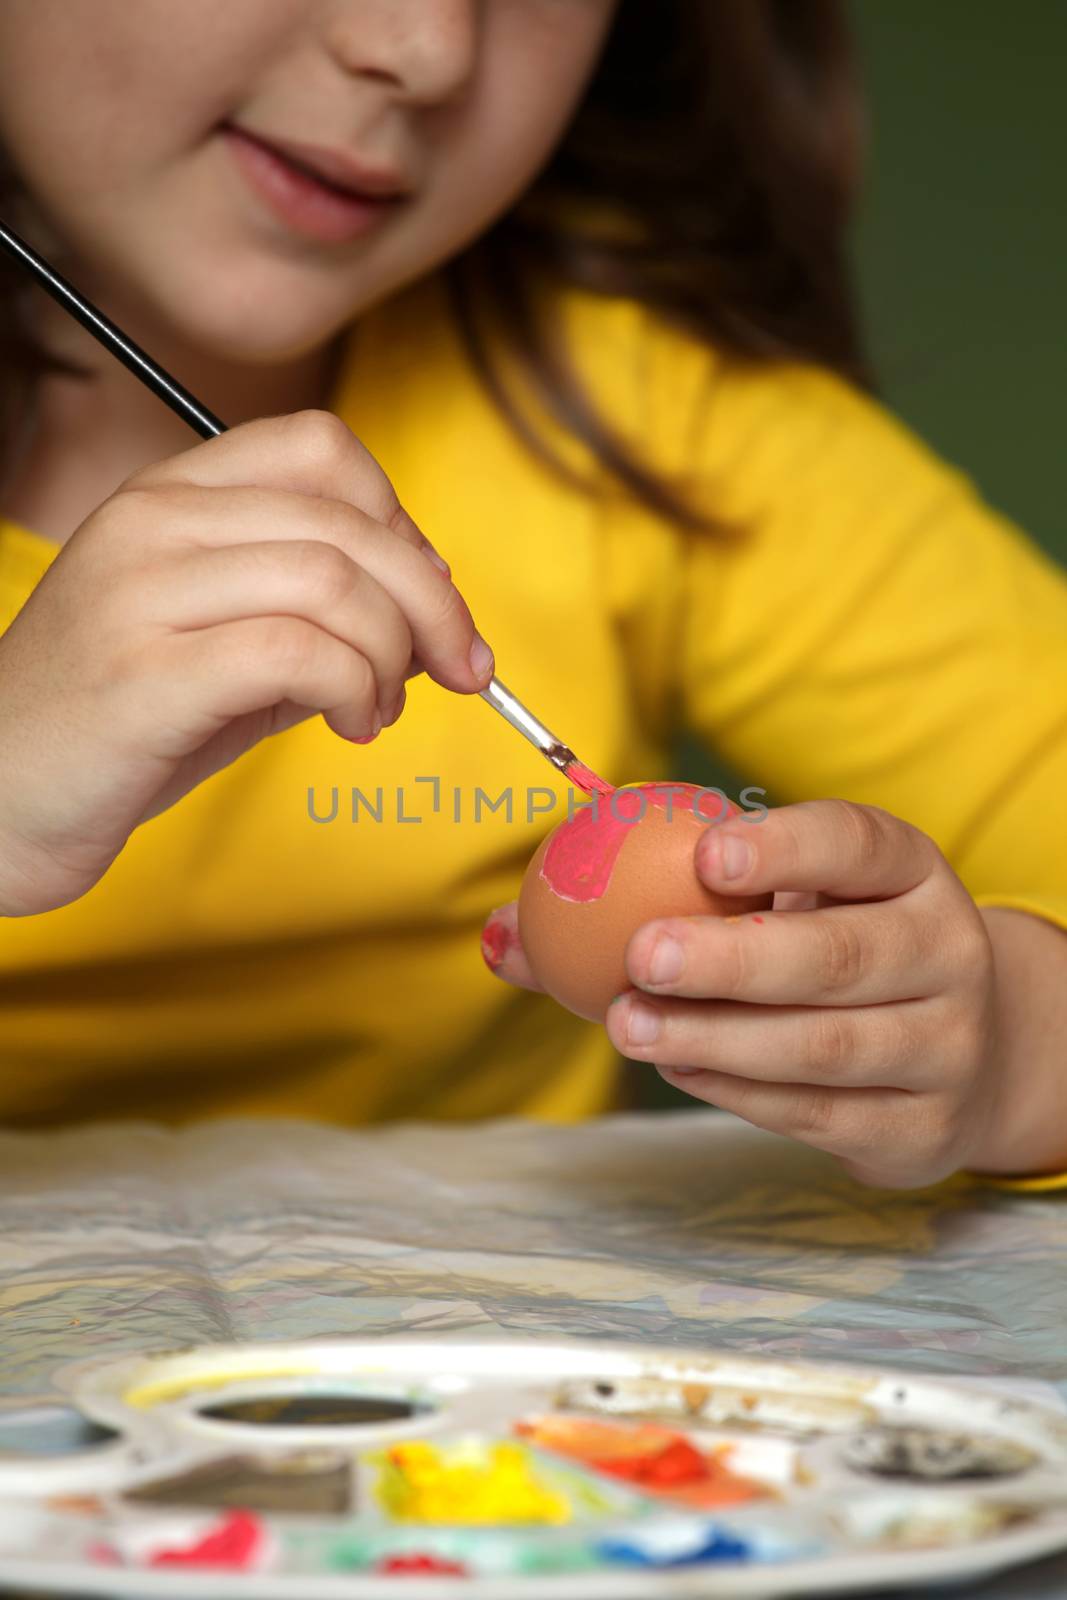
(877, 633)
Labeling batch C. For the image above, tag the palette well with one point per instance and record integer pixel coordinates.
(328, 1468)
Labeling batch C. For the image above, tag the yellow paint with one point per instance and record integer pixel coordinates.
(466, 1486)
(175, 1388)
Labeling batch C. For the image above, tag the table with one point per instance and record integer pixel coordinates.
(680, 1228)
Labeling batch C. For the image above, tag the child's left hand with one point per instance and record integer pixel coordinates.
(857, 1016)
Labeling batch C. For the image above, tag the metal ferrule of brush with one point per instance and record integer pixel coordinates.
(524, 721)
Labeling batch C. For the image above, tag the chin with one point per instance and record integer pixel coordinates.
(256, 330)
(258, 316)
(260, 338)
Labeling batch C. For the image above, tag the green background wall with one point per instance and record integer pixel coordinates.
(962, 239)
(961, 252)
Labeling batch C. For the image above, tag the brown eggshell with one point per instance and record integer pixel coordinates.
(577, 948)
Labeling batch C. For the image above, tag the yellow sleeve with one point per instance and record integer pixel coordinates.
(876, 632)
(1042, 1185)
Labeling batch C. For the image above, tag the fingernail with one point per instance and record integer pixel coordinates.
(481, 657)
(438, 561)
(666, 961)
(369, 738)
(737, 857)
(396, 708)
(642, 1024)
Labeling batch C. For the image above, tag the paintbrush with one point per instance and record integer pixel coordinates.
(208, 426)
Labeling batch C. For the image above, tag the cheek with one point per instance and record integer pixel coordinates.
(537, 59)
(95, 92)
(538, 63)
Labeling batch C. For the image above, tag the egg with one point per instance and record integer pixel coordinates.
(603, 873)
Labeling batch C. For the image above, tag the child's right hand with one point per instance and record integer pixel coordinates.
(218, 597)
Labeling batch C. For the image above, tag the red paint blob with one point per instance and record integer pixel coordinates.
(418, 1564)
(676, 1464)
(759, 920)
(233, 1543)
(652, 1458)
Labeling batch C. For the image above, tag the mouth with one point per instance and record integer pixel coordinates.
(325, 195)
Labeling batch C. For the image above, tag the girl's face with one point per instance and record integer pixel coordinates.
(252, 173)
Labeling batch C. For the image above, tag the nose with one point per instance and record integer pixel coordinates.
(425, 50)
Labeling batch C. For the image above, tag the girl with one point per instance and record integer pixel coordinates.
(563, 283)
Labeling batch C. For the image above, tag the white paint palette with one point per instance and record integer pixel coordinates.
(507, 1470)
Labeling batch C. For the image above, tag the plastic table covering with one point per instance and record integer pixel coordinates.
(678, 1228)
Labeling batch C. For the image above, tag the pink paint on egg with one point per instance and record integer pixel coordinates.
(612, 866)
(582, 853)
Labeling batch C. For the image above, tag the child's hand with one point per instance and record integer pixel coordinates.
(857, 1016)
(216, 598)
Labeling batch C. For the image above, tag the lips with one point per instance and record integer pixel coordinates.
(325, 195)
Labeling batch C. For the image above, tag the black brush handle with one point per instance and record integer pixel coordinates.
(180, 401)
(186, 406)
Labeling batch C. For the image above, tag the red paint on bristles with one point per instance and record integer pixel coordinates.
(587, 780)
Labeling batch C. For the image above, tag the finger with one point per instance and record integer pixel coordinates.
(859, 1047)
(311, 453)
(402, 524)
(850, 1123)
(885, 1137)
(502, 948)
(837, 955)
(200, 680)
(442, 629)
(306, 452)
(296, 578)
(798, 900)
(852, 852)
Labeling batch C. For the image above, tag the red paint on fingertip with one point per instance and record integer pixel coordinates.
(497, 940)
(759, 920)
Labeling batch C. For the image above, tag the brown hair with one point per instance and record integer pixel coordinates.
(20, 361)
(727, 134)
(725, 137)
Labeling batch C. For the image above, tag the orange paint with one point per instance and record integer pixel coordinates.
(653, 1458)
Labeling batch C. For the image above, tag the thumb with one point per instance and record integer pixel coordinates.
(503, 950)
